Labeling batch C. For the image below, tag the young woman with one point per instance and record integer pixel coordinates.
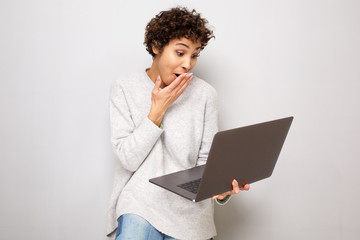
(163, 120)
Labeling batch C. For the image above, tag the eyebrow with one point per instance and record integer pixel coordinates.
(183, 44)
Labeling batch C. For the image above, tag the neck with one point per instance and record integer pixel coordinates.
(153, 72)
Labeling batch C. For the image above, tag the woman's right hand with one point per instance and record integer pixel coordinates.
(162, 99)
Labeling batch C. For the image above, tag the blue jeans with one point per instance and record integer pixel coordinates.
(134, 227)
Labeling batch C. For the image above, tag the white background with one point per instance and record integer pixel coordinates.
(270, 59)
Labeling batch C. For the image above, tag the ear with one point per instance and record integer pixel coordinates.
(154, 49)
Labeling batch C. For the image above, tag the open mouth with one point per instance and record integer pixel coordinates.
(177, 75)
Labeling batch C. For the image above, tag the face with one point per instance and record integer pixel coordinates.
(179, 56)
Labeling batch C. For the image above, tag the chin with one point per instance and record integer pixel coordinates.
(168, 82)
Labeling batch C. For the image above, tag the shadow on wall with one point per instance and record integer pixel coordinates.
(239, 217)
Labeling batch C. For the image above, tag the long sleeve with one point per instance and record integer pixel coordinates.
(210, 127)
(131, 143)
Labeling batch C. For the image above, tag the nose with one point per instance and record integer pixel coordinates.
(187, 64)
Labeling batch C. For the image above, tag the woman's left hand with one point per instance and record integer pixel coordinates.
(236, 190)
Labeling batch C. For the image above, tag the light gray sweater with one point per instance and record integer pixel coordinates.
(145, 151)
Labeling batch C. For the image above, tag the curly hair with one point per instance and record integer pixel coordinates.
(174, 24)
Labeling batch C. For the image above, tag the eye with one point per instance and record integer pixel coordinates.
(195, 55)
(180, 54)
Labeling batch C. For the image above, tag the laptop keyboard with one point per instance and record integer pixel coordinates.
(191, 186)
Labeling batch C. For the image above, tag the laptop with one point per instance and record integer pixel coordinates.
(247, 154)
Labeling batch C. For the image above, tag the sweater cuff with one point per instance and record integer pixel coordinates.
(223, 201)
(151, 125)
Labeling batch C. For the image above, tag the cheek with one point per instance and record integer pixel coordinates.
(169, 65)
(172, 63)
(166, 63)
(166, 69)
(193, 63)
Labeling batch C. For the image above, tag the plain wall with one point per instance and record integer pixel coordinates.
(270, 59)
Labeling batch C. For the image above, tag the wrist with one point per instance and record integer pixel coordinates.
(224, 200)
(156, 117)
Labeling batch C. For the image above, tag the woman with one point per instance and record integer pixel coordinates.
(163, 120)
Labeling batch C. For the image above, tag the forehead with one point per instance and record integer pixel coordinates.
(186, 43)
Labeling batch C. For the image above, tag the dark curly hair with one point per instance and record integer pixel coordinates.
(174, 24)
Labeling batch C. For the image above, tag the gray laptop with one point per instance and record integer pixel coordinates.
(247, 154)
